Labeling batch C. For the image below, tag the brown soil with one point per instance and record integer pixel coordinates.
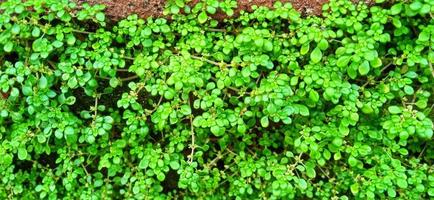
(117, 9)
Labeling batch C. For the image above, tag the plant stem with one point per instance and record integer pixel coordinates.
(129, 78)
(122, 70)
(193, 145)
(209, 61)
(431, 68)
(80, 31)
(217, 30)
(128, 58)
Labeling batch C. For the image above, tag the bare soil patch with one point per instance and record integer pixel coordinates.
(117, 9)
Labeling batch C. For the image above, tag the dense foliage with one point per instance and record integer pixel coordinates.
(267, 105)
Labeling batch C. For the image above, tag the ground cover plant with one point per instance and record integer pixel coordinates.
(267, 105)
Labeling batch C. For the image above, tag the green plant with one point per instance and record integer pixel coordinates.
(267, 105)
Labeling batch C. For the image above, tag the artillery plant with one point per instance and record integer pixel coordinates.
(264, 105)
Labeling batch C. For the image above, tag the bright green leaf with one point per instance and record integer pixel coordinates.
(316, 55)
(22, 153)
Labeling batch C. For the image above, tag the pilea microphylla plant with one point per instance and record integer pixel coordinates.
(266, 105)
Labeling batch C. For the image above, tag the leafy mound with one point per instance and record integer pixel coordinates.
(269, 105)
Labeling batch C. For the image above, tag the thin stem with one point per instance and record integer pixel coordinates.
(209, 61)
(385, 67)
(324, 172)
(219, 157)
(52, 64)
(106, 78)
(217, 30)
(128, 58)
(423, 151)
(129, 78)
(367, 82)
(430, 66)
(122, 70)
(85, 170)
(96, 107)
(80, 31)
(149, 112)
(193, 145)
(381, 71)
(232, 88)
(121, 79)
(231, 152)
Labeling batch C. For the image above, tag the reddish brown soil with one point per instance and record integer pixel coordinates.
(117, 9)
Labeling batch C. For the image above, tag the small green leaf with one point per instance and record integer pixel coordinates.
(352, 161)
(408, 90)
(216, 130)
(144, 163)
(391, 192)
(337, 141)
(19, 9)
(114, 82)
(416, 5)
(371, 55)
(376, 62)
(70, 39)
(424, 36)
(259, 42)
(72, 82)
(161, 176)
(70, 100)
(180, 3)
(268, 45)
(323, 44)
(27, 91)
(302, 183)
(8, 46)
(57, 44)
(7, 159)
(202, 17)
(310, 171)
(174, 9)
(367, 109)
(169, 94)
(354, 188)
(36, 32)
(394, 109)
(421, 104)
(69, 130)
(431, 192)
(343, 61)
(264, 121)
(185, 109)
(303, 110)
(396, 9)
(364, 68)
(16, 29)
(58, 134)
(316, 55)
(22, 153)
(304, 49)
(174, 165)
(14, 92)
(313, 95)
(38, 45)
(211, 10)
(43, 82)
(100, 16)
(402, 183)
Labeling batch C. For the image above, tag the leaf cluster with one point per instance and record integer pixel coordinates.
(266, 105)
